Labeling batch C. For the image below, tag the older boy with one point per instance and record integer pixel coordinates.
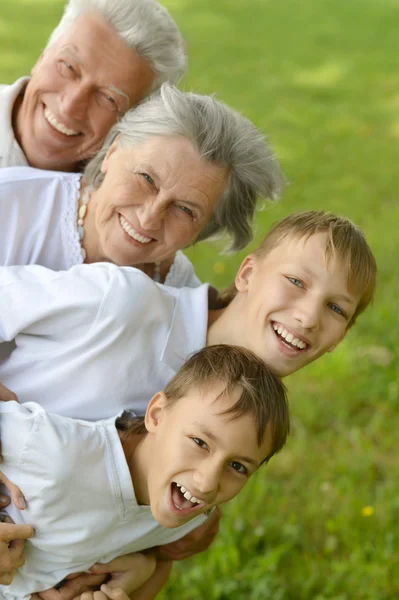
(217, 421)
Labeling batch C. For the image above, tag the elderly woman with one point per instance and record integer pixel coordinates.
(178, 169)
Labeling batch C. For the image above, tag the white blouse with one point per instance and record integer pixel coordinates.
(38, 223)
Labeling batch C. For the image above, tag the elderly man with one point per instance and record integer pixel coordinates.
(102, 58)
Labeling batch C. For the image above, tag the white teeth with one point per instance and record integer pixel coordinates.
(58, 126)
(132, 233)
(187, 494)
(288, 337)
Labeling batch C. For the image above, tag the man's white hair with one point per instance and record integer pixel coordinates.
(222, 137)
(145, 27)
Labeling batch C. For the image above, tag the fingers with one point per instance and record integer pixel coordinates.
(4, 501)
(16, 495)
(6, 394)
(97, 595)
(10, 532)
(114, 593)
(75, 587)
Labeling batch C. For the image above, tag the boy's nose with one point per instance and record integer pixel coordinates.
(308, 314)
(207, 479)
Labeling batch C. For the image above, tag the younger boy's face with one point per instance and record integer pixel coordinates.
(199, 458)
(295, 306)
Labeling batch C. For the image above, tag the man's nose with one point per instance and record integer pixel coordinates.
(75, 101)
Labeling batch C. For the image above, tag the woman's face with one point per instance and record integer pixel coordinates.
(155, 199)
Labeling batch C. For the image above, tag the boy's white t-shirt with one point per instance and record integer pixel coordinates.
(80, 497)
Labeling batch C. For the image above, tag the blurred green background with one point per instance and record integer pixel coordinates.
(321, 78)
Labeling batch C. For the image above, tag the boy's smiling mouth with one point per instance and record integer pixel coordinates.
(291, 340)
(183, 500)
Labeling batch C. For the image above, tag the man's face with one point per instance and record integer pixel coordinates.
(295, 306)
(79, 87)
(199, 457)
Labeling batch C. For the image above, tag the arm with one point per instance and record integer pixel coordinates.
(34, 300)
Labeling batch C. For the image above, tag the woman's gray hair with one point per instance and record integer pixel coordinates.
(145, 27)
(222, 137)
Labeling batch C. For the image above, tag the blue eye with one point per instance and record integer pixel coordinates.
(200, 443)
(65, 68)
(295, 281)
(238, 467)
(337, 309)
(148, 178)
(186, 210)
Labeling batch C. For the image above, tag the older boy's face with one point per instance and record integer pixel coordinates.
(79, 87)
(295, 306)
(200, 458)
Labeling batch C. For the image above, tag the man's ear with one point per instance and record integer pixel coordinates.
(113, 147)
(339, 341)
(244, 273)
(154, 412)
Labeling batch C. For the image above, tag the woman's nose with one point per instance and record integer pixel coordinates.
(150, 216)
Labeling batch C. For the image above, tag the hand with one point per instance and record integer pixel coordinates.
(73, 586)
(6, 394)
(128, 572)
(12, 548)
(194, 542)
(15, 493)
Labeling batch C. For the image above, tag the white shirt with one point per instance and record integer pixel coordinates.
(96, 339)
(80, 497)
(10, 152)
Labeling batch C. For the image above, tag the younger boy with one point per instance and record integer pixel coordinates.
(217, 421)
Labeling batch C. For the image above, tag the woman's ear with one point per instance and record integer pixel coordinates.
(244, 273)
(113, 147)
(154, 412)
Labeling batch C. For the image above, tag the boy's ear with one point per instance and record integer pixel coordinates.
(331, 348)
(113, 147)
(154, 411)
(244, 273)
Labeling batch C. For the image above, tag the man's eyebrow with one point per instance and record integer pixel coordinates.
(73, 51)
(215, 439)
(112, 88)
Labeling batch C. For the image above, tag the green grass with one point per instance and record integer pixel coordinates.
(321, 77)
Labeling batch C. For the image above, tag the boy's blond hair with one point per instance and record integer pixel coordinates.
(345, 243)
(263, 394)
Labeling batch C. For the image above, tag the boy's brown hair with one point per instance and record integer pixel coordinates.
(263, 394)
(345, 243)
